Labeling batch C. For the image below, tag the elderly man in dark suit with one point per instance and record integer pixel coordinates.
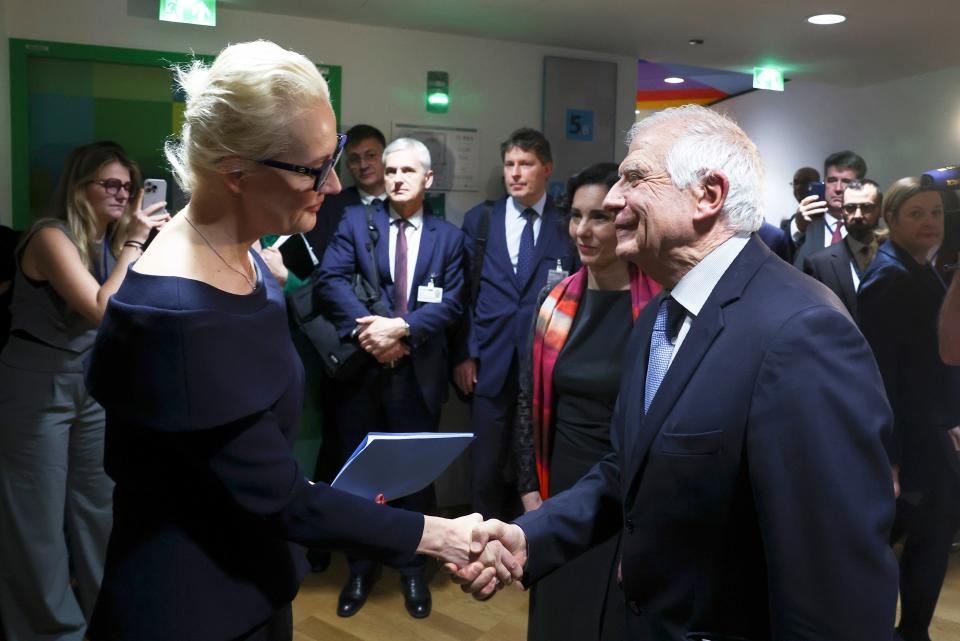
(841, 267)
(418, 263)
(747, 512)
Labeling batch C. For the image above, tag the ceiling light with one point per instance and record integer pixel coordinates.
(673, 80)
(827, 18)
(695, 41)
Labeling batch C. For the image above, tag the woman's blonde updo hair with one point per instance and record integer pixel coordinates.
(241, 106)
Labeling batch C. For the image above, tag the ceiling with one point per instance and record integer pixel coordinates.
(881, 40)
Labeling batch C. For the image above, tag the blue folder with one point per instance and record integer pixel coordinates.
(396, 465)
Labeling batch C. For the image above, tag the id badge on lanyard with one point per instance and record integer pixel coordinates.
(557, 274)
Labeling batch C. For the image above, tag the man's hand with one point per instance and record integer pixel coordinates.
(496, 546)
(531, 501)
(456, 543)
(381, 337)
(810, 208)
(465, 375)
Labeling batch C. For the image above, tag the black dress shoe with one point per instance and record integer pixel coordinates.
(319, 559)
(416, 596)
(354, 594)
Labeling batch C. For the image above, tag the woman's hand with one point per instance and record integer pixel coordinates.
(531, 501)
(144, 220)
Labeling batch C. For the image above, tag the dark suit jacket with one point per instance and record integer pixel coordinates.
(777, 240)
(899, 305)
(748, 512)
(328, 219)
(499, 322)
(831, 266)
(811, 242)
(440, 257)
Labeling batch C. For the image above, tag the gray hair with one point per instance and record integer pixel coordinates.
(705, 141)
(420, 149)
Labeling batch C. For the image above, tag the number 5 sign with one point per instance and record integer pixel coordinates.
(579, 124)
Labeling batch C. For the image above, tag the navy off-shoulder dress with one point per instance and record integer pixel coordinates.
(202, 391)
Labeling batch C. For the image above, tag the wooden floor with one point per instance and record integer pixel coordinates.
(457, 617)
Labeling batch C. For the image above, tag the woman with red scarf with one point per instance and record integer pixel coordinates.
(566, 402)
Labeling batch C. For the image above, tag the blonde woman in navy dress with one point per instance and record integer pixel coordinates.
(203, 388)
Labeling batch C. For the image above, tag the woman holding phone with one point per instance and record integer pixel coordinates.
(55, 499)
(203, 388)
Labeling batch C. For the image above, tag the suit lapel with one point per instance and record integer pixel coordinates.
(704, 330)
(428, 235)
(497, 250)
(841, 265)
(381, 219)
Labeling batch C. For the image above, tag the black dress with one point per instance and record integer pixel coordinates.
(202, 391)
(582, 600)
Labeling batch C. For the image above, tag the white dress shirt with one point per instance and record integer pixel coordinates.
(366, 198)
(695, 287)
(412, 232)
(516, 222)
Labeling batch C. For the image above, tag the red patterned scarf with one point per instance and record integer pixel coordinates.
(553, 327)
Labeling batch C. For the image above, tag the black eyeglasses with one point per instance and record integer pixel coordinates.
(319, 173)
(113, 186)
(867, 208)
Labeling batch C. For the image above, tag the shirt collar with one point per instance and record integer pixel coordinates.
(415, 221)
(537, 206)
(695, 287)
(366, 198)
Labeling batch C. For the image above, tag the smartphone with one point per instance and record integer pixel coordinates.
(154, 191)
(817, 189)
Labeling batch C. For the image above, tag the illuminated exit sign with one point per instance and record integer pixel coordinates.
(767, 78)
(202, 12)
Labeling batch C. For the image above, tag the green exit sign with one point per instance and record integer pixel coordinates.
(202, 12)
(767, 78)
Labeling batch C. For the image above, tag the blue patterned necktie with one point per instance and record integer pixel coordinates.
(525, 256)
(669, 318)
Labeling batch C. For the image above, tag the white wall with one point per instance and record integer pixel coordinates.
(495, 86)
(901, 128)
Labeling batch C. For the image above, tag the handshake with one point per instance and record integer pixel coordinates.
(481, 556)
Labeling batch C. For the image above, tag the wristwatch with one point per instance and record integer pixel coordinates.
(406, 328)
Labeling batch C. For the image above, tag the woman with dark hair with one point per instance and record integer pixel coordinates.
(55, 499)
(899, 300)
(566, 402)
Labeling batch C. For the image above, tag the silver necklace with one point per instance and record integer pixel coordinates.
(224, 260)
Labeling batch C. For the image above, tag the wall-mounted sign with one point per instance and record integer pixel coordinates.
(202, 12)
(579, 124)
(767, 78)
(454, 154)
